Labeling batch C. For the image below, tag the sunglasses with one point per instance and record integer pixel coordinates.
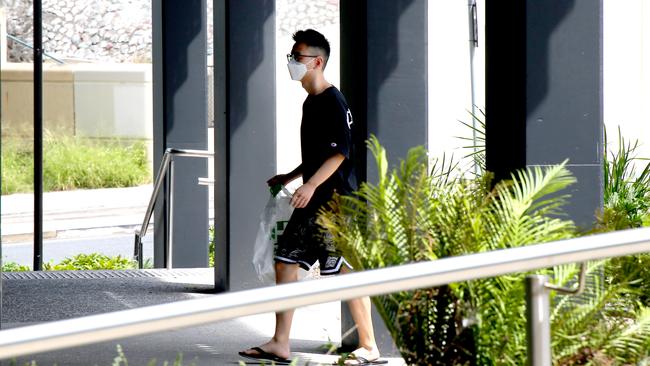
(295, 56)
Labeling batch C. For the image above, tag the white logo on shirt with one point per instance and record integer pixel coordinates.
(350, 120)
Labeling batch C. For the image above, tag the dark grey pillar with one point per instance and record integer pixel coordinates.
(245, 127)
(544, 93)
(384, 72)
(180, 121)
(221, 148)
(384, 78)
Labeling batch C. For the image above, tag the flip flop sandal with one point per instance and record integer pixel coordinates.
(361, 361)
(262, 355)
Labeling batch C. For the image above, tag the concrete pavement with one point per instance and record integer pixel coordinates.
(38, 297)
(78, 213)
(74, 210)
(30, 298)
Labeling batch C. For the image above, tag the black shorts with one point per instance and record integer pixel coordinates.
(304, 242)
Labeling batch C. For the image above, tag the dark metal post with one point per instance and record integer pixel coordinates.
(38, 136)
(221, 148)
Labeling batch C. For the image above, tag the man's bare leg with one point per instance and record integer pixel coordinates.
(361, 314)
(279, 344)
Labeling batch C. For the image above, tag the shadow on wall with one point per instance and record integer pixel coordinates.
(245, 60)
(189, 25)
(538, 54)
(382, 59)
(516, 75)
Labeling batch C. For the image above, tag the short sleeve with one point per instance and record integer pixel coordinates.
(339, 131)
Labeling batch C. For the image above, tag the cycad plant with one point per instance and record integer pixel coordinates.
(413, 214)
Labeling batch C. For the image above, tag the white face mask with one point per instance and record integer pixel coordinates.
(297, 70)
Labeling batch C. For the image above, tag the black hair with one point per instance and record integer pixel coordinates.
(314, 39)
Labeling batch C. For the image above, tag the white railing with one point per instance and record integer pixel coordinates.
(97, 328)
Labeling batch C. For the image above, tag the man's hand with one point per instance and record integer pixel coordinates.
(278, 179)
(302, 195)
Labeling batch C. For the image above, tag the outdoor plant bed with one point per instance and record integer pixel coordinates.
(416, 214)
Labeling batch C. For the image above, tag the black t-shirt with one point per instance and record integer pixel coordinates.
(326, 129)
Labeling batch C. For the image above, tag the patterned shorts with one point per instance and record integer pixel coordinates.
(304, 242)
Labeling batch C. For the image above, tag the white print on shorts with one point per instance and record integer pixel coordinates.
(331, 262)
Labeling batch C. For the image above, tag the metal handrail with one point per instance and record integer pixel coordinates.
(104, 327)
(166, 165)
(25, 44)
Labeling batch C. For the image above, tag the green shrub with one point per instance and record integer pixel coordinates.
(413, 215)
(14, 267)
(74, 163)
(211, 246)
(626, 192)
(626, 206)
(92, 261)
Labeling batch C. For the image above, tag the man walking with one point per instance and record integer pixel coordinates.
(327, 167)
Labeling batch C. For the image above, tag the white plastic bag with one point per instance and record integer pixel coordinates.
(273, 220)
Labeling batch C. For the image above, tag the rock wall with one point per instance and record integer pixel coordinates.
(120, 30)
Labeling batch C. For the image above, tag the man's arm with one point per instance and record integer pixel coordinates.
(284, 179)
(303, 195)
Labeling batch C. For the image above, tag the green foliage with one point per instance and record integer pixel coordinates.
(606, 326)
(74, 163)
(477, 141)
(413, 214)
(14, 267)
(80, 262)
(90, 262)
(633, 272)
(626, 206)
(120, 359)
(626, 192)
(211, 246)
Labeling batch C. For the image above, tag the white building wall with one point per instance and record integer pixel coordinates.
(627, 71)
(450, 65)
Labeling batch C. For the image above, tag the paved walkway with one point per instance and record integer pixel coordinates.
(74, 210)
(70, 213)
(44, 297)
(49, 296)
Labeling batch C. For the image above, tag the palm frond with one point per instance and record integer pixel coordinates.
(420, 211)
(631, 345)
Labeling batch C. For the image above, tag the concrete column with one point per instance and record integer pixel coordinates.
(384, 72)
(244, 34)
(180, 121)
(3, 34)
(384, 78)
(544, 93)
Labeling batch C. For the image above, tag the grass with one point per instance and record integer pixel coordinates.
(79, 262)
(74, 163)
